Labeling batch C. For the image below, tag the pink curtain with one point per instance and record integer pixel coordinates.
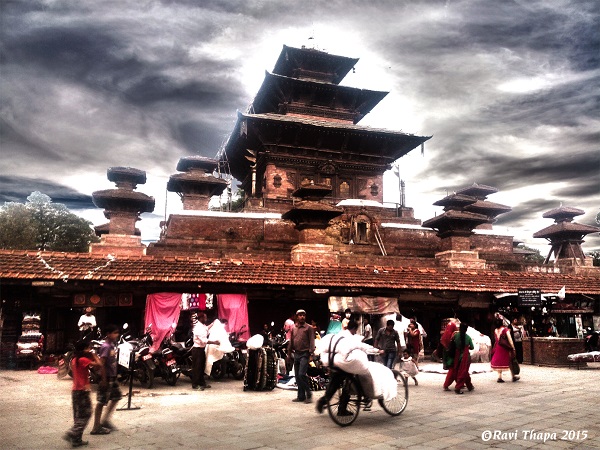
(234, 308)
(162, 313)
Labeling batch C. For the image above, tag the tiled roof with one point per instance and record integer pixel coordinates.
(22, 265)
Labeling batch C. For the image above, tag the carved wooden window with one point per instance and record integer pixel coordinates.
(277, 181)
(344, 190)
(374, 190)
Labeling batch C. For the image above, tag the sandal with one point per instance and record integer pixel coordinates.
(102, 430)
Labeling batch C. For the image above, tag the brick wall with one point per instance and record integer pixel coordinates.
(551, 351)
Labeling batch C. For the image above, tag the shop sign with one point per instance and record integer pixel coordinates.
(42, 283)
(530, 297)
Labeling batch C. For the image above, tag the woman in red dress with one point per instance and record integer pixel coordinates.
(448, 354)
(503, 351)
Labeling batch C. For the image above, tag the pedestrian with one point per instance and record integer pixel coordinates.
(287, 327)
(347, 317)
(348, 354)
(518, 333)
(302, 344)
(109, 392)
(462, 359)
(448, 352)
(368, 335)
(503, 350)
(82, 360)
(86, 324)
(200, 338)
(408, 366)
(388, 340)
(413, 341)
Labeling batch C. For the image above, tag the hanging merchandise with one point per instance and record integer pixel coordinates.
(210, 301)
(31, 342)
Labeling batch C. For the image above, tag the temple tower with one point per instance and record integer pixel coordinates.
(196, 185)
(122, 206)
(302, 128)
(464, 211)
(566, 237)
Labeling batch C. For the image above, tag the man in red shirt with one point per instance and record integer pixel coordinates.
(82, 360)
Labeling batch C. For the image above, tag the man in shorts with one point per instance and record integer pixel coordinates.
(109, 392)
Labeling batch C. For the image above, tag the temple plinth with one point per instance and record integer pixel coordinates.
(566, 237)
(122, 206)
(311, 217)
(196, 185)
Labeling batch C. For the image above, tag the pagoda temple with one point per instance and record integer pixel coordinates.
(566, 237)
(302, 128)
(122, 206)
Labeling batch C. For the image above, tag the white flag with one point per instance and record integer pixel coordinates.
(561, 293)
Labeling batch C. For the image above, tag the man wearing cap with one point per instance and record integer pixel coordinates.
(302, 344)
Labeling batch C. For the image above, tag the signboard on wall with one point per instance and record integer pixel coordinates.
(530, 297)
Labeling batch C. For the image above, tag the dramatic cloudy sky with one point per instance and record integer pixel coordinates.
(508, 89)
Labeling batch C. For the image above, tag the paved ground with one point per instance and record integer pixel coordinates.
(562, 403)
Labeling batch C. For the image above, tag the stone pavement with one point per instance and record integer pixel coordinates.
(564, 403)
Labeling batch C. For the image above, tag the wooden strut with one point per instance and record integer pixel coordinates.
(379, 240)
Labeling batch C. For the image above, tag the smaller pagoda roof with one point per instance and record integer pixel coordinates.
(563, 213)
(177, 181)
(126, 174)
(490, 209)
(315, 64)
(479, 191)
(312, 191)
(445, 220)
(456, 200)
(197, 162)
(123, 199)
(556, 230)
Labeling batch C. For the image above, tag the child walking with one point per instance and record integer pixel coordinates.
(83, 358)
(408, 366)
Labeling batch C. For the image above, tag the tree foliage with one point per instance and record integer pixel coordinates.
(535, 257)
(42, 225)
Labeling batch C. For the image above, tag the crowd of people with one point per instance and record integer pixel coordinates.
(364, 354)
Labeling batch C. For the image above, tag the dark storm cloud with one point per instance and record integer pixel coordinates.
(89, 85)
(17, 189)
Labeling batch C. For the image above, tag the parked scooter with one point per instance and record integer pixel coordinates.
(143, 364)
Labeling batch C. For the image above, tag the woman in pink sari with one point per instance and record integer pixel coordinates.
(462, 359)
(448, 354)
(504, 350)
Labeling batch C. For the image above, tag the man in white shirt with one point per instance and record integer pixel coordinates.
(87, 321)
(200, 332)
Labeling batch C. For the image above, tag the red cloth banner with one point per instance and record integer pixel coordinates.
(162, 314)
(234, 309)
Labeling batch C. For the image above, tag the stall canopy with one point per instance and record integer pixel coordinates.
(162, 314)
(234, 309)
(364, 304)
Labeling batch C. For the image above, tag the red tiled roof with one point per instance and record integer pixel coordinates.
(29, 265)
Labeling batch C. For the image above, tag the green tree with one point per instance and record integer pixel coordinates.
(42, 225)
(596, 256)
(535, 257)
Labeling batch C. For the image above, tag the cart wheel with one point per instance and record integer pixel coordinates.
(395, 406)
(348, 393)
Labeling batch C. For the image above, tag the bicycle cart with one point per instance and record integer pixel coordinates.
(345, 404)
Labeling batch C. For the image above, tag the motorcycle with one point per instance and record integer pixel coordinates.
(280, 344)
(166, 364)
(232, 363)
(182, 352)
(64, 361)
(143, 363)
